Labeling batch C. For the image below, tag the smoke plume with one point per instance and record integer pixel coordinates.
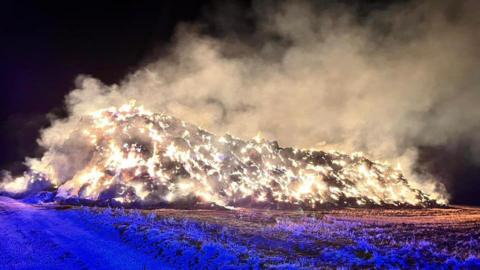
(309, 76)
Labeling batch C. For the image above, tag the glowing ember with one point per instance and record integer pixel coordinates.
(150, 159)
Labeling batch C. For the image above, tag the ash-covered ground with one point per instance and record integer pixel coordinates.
(50, 236)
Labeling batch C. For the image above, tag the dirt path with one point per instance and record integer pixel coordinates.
(40, 238)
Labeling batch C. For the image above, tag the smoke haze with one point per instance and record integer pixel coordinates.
(314, 76)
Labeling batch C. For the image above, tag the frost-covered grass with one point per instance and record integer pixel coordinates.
(216, 240)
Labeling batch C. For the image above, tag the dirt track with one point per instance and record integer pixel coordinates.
(33, 237)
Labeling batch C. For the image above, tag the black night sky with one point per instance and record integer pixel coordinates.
(45, 46)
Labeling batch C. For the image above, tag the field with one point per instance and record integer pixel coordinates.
(66, 237)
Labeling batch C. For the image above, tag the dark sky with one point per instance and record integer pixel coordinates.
(46, 44)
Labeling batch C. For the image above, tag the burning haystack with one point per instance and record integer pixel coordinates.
(140, 158)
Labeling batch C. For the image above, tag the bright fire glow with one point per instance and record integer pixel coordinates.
(151, 158)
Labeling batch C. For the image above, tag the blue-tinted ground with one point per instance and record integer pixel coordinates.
(47, 237)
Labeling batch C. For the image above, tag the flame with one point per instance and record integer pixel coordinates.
(140, 156)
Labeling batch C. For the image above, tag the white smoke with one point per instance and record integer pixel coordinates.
(309, 76)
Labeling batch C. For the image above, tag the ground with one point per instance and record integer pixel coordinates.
(64, 237)
(34, 237)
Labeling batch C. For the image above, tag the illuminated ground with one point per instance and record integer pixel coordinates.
(52, 237)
